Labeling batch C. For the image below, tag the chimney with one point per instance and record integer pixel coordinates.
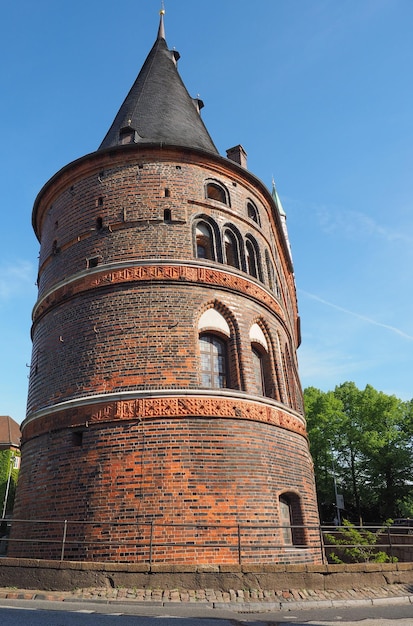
(238, 154)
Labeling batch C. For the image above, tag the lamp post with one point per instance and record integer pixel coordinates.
(338, 497)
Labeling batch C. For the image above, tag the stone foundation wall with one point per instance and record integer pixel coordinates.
(66, 576)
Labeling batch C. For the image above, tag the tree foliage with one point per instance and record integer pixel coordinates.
(7, 474)
(364, 439)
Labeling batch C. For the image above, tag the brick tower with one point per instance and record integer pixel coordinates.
(165, 417)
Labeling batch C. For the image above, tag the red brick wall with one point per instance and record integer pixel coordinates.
(205, 471)
(107, 339)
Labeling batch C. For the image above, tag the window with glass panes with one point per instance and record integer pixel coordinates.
(213, 361)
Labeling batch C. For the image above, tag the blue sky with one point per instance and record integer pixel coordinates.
(319, 93)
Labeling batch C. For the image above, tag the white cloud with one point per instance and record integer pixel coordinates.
(364, 318)
(356, 224)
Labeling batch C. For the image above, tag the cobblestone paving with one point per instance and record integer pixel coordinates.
(211, 596)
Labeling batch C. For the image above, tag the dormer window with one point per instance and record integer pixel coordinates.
(216, 191)
(127, 135)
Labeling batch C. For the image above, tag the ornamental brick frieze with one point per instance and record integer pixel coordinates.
(182, 273)
(164, 407)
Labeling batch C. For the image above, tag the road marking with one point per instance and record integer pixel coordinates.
(17, 608)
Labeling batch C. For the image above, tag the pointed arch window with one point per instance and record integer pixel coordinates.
(204, 241)
(231, 247)
(258, 364)
(261, 362)
(253, 258)
(288, 366)
(217, 352)
(272, 277)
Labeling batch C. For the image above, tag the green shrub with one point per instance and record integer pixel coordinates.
(359, 545)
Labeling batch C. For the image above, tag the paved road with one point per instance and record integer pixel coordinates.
(40, 613)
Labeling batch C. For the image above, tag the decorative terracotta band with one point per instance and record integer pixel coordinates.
(165, 407)
(180, 273)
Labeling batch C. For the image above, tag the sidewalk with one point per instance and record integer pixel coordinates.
(237, 600)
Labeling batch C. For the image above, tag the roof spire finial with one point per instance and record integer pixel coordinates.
(161, 30)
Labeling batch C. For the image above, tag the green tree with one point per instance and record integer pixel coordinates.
(350, 458)
(368, 435)
(6, 466)
(324, 412)
(387, 451)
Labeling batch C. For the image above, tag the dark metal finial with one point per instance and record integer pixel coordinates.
(161, 30)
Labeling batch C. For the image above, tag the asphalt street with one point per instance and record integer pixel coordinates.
(43, 613)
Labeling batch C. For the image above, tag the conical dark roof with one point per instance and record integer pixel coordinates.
(158, 108)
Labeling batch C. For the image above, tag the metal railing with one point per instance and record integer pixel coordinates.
(145, 540)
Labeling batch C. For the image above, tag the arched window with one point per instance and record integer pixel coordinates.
(231, 247)
(204, 241)
(207, 238)
(270, 271)
(272, 276)
(293, 531)
(252, 212)
(286, 520)
(261, 362)
(288, 374)
(253, 262)
(216, 191)
(251, 259)
(258, 364)
(262, 372)
(214, 361)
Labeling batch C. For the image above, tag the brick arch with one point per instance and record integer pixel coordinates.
(234, 341)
